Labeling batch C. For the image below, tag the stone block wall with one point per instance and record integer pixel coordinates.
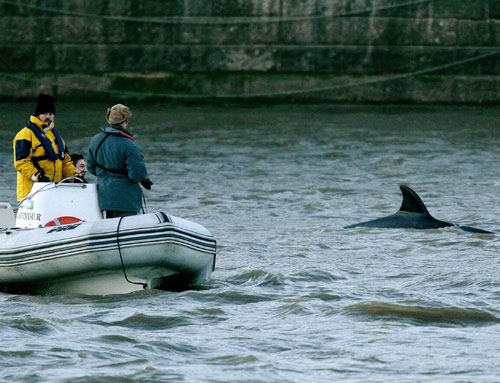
(445, 51)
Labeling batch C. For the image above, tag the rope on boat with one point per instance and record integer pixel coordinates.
(144, 285)
(144, 204)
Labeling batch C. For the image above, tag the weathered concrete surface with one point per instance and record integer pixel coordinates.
(310, 50)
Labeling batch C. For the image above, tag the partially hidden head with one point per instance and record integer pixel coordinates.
(118, 114)
(80, 164)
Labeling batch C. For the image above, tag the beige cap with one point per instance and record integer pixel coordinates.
(118, 114)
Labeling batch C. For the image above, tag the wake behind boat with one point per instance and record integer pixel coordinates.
(60, 243)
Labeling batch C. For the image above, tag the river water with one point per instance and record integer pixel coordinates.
(294, 297)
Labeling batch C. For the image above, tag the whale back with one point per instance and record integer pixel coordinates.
(413, 214)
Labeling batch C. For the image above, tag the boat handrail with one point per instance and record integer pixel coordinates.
(79, 200)
(55, 185)
(30, 196)
(63, 181)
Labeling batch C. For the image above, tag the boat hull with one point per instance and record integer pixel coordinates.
(109, 256)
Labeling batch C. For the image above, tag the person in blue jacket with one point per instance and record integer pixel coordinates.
(118, 164)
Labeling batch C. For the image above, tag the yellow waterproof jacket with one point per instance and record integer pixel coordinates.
(28, 149)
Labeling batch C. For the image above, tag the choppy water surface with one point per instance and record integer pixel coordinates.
(294, 296)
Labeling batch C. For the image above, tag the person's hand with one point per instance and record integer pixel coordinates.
(147, 183)
(40, 177)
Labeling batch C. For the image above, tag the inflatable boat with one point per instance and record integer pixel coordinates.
(59, 242)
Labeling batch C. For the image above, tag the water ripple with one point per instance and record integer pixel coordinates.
(259, 278)
(149, 322)
(315, 276)
(422, 315)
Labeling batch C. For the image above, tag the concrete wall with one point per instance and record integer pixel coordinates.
(316, 50)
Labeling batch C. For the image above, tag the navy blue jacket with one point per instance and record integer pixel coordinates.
(118, 164)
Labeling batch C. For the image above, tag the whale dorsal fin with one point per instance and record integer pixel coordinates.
(411, 201)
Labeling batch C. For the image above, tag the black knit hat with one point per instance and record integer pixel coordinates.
(45, 104)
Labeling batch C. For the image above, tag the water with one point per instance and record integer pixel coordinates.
(294, 296)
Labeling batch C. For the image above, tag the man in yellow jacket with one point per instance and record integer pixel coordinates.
(40, 153)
